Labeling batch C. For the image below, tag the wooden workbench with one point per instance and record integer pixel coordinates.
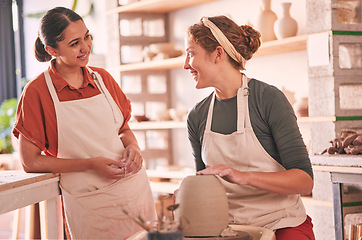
(19, 189)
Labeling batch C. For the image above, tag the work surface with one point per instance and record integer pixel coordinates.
(17, 178)
(19, 189)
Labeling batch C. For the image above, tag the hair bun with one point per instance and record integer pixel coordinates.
(253, 37)
(40, 53)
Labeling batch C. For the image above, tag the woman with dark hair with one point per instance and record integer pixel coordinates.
(246, 132)
(73, 120)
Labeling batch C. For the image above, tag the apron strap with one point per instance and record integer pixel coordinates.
(51, 88)
(102, 87)
(242, 105)
(209, 114)
(241, 111)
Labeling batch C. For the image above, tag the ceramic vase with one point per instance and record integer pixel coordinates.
(203, 206)
(265, 22)
(301, 107)
(286, 26)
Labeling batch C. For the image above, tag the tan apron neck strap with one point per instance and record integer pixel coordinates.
(242, 105)
(96, 78)
(209, 114)
(241, 111)
(102, 87)
(51, 87)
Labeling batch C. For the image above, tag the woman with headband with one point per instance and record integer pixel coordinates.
(246, 132)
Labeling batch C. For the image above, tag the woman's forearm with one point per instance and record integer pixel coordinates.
(127, 137)
(33, 161)
(293, 181)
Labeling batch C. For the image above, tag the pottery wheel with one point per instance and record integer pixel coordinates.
(240, 235)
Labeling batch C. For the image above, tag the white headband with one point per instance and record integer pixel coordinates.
(223, 41)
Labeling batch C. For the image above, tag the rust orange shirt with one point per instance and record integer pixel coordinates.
(36, 119)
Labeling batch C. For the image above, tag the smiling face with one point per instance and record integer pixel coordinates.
(74, 50)
(200, 64)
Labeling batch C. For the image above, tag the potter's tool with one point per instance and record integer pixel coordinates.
(137, 220)
(172, 208)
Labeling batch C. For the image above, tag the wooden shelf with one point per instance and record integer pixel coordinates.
(157, 125)
(356, 170)
(328, 119)
(157, 6)
(316, 119)
(338, 162)
(165, 64)
(292, 44)
(297, 43)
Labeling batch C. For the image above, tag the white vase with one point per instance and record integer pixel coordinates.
(203, 206)
(265, 22)
(286, 26)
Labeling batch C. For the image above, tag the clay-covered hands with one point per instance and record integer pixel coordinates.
(227, 173)
(132, 159)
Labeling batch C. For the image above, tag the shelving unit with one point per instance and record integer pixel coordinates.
(162, 8)
(142, 23)
(292, 44)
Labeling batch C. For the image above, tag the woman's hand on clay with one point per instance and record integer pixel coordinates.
(227, 173)
(132, 159)
(109, 168)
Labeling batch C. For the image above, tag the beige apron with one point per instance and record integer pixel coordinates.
(242, 150)
(93, 204)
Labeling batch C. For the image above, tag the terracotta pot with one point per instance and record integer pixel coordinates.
(265, 22)
(286, 26)
(203, 206)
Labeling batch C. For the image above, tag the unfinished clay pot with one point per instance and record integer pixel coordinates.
(203, 206)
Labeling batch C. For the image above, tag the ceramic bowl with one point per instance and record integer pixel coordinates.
(166, 47)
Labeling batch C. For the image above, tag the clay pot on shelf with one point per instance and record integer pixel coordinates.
(203, 206)
(286, 26)
(265, 22)
(163, 51)
(141, 118)
(301, 107)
